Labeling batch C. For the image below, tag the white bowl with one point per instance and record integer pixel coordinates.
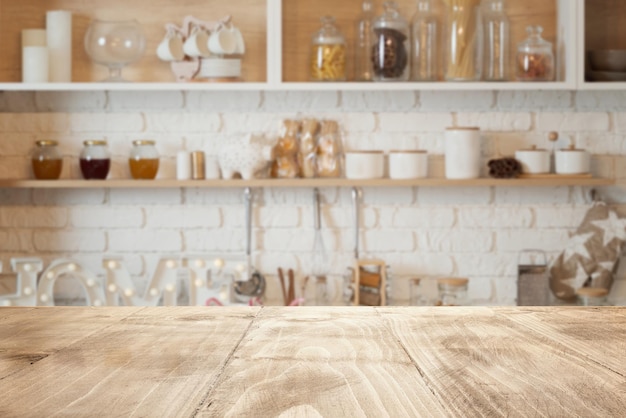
(365, 164)
(408, 164)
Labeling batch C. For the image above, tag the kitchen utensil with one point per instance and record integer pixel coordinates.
(608, 60)
(534, 160)
(254, 287)
(319, 262)
(572, 161)
(365, 164)
(115, 44)
(462, 153)
(533, 284)
(408, 164)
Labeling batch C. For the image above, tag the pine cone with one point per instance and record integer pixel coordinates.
(504, 168)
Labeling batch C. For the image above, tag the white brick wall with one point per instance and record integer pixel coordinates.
(420, 232)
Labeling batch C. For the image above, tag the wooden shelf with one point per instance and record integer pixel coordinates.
(194, 86)
(300, 183)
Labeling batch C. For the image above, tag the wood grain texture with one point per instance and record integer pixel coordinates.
(604, 24)
(301, 19)
(288, 362)
(15, 15)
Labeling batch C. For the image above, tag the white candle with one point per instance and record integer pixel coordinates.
(34, 37)
(183, 165)
(35, 64)
(59, 35)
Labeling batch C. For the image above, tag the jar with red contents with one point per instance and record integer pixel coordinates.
(95, 160)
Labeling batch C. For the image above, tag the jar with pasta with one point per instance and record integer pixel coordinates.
(463, 60)
(328, 53)
(392, 45)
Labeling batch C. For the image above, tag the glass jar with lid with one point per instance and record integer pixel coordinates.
(463, 41)
(95, 160)
(452, 292)
(425, 43)
(535, 57)
(392, 45)
(144, 160)
(328, 52)
(363, 44)
(592, 296)
(496, 41)
(46, 160)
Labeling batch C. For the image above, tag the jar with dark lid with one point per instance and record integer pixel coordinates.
(95, 160)
(592, 296)
(46, 160)
(144, 160)
(392, 45)
(328, 53)
(452, 292)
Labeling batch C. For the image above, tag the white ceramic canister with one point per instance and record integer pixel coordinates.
(365, 164)
(462, 153)
(411, 164)
(534, 160)
(572, 161)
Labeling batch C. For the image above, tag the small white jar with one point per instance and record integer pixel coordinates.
(534, 160)
(408, 164)
(572, 161)
(463, 153)
(365, 164)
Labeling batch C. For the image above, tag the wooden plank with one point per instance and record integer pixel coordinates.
(301, 19)
(15, 15)
(158, 360)
(604, 24)
(28, 335)
(481, 363)
(320, 362)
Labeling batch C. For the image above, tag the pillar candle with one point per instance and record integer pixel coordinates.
(183, 165)
(59, 35)
(35, 64)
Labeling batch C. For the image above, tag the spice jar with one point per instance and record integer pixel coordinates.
(390, 52)
(95, 160)
(144, 160)
(46, 160)
(535, 58)
(592, 296)
(452, 292)
(328, 53)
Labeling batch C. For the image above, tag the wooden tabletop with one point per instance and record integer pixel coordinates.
(330, 362)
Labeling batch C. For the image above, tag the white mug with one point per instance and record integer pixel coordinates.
(171, 48)
(240, 45)
(197, 45)
(222, 42)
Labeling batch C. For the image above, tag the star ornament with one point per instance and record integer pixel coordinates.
(612, 227)
(577, 245)
(579, 280)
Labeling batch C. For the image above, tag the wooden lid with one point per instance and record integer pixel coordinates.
(408, 151)
(594, 292)
(365, 152)
(456, 282)
(463, 128)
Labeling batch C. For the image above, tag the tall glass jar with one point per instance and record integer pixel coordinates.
(463, 40)
(535, 58)
(46, 160)
(364, 41)
(392, 46)
(95, 160)
(144, 160)
(496, 41)
(425, 38)
(328, 53)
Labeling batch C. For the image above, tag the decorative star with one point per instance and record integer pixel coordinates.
(613, 227)
(607, 265)
(578, 281)
(577, 245)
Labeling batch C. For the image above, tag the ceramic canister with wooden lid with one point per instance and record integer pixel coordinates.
(572, 161)
(462, 153)
(411, 164)
(534, 160)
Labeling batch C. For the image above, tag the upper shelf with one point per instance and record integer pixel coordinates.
(304, 183)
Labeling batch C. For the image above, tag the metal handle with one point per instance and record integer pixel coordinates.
(316, 208)
(356, 196)
(248, 200)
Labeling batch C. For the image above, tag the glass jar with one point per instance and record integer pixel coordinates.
(143, 160)
(592, 296)
(46, 160)
(452, 292)
(364, 40)
(463, 41)
(496, 41)
(417, 293)
(425, 34)
(535, 57)
(328, 53)
(95, 160)
(390, 52)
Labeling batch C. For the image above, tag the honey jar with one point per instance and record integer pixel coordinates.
(46, 160)
(95, 160)
(144, 160)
